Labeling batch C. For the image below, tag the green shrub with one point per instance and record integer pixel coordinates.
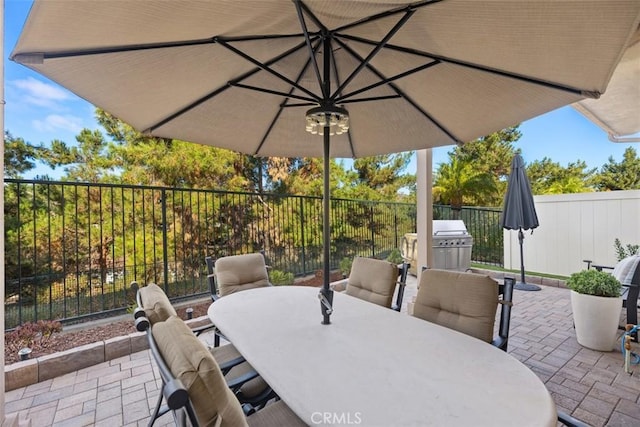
(625, 251)
(395, 256)
(279, 278)
(345, 266)
(594, 282)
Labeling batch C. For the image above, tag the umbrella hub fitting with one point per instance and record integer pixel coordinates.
(331, 116)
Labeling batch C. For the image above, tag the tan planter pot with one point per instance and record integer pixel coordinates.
(596, 320)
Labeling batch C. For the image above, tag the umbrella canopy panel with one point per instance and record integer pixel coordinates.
(618, 110)
(412, 75)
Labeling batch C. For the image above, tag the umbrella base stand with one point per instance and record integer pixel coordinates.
(520, 286)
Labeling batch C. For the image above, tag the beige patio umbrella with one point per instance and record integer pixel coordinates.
(617, 112)
(268, 77)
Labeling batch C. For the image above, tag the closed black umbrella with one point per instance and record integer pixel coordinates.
(519, 212)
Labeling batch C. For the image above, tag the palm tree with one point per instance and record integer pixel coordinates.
(459, 182)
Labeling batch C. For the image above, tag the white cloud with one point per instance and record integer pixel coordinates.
(55, 122)
(42, 94)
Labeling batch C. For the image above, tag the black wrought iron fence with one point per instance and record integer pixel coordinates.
(72, 249)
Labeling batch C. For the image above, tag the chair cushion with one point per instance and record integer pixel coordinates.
(240, 272)
(191, 362)
(625, 269)
(372, 280)
(155, 303)
(466, 302)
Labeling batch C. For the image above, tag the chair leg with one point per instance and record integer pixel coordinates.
(156, 410)
(632, 308)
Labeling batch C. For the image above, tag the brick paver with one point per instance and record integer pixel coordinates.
(590, 385)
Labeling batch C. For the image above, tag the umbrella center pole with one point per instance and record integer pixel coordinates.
(521, 240)
(326, 293)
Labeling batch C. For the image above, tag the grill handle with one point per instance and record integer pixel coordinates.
(452, 232)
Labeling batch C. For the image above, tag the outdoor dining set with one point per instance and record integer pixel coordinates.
(275, 363)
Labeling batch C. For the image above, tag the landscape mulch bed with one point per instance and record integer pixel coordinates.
(89, 333)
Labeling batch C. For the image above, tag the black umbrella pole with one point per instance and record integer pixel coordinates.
(523, 285)
(326, 294)
(521, 240)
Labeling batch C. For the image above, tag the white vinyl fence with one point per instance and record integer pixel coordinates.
(575, 227)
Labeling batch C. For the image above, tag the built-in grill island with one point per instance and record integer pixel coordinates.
(452, 245)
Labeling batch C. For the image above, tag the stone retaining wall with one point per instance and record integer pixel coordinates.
(24, 373)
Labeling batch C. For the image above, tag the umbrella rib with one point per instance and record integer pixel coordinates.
(265, 67)
(390, 79)
(387, 13)
(312, 53)
(371, 98)
(401, 93)
(284, 104)
(300, 104)
(260, 37)
(445, 59)
(109, 49)
(273, 92)
(221, 89)
(38, 57)
(375, 51)
(334, 64)
(311, 15)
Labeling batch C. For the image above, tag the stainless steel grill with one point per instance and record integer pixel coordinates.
(452, 245)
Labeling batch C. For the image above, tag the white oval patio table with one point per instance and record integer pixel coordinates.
(373, 366)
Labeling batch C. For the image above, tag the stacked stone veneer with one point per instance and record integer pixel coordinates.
(24, 373)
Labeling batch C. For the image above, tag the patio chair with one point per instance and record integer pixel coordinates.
(466, 302)
(236, 273)
(198, 390)
(375, 281)
(154, 308)
(627, 271)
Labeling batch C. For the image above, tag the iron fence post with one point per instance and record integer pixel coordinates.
(165, 245)
(373, 233)
(304, 257)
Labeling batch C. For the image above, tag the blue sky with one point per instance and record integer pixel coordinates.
(38, 110)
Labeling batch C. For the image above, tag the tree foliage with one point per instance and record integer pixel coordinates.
(19, 156)
(460, 183)
(548, 177)
(620, 176)
(476, 172)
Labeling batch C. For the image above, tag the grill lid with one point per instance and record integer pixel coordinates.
(453, 227)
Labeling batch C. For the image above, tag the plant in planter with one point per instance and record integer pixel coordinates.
(596, 305)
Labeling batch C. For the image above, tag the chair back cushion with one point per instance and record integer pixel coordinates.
(466, 302)
(240, 272)
(626, 270)
(191, 363)
(372, 280)
(156, 305)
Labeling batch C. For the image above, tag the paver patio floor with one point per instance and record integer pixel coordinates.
(590, 385)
